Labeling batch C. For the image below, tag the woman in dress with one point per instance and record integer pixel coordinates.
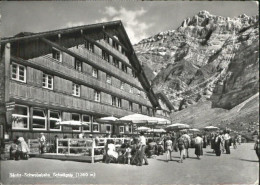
(198, 146)
(218, 144)
(111, 149)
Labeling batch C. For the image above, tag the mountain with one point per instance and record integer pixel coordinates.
(208, 58)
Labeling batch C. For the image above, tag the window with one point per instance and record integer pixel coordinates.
(115, 45)
(115, 62)
(130, 106)
(78, 65)
(119, 102)
(105, 56)
(96, 96)
(75, 90)
(122, 86)
(130, 129)
(116, 101)
(47, 81)
(20, 117)
(87, 120)
(121, 129)
(108, 128)
(94, 72)
(123, 52)
(95, 125)
(39, 119)
(109, 81)
(138, 92)
(140, 108)
(148, 111)
(18, 72)
(54, 117)
(106, 38)
(124, 68)
(75, 117)
(89, 46)
(131, 89)
(56, 54)
(113, 98)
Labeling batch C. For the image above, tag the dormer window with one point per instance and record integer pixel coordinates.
(56, 54)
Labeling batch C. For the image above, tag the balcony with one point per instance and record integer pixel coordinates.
(69, 73)
(115, 51)
(42, 97)
(105, 66)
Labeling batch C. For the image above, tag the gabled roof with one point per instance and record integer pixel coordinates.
(118, 26)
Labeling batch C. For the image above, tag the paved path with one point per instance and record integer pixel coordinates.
(241, 167)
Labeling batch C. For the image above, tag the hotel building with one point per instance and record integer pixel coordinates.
(80, 73)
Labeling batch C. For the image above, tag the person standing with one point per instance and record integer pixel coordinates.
(222, 143)
(227, 142)
(42, 143)
(169, 149)
(212, 142)
(204, 140)
(187, 142)
(142, 149)
(239, 139)
(198, 146)
(181, 147)
(217, 144)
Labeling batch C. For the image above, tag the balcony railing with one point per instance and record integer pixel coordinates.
(94, 83)
(41, 96)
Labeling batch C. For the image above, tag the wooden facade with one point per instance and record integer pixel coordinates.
(80, 73)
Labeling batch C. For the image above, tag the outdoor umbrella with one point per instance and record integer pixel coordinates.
(156, 130)
(109, 119)
(176, 127)
(143, 129)
(137, 119)
(211, 128)
(194, 130)
(161, 121)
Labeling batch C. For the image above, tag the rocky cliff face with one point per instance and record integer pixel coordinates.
(207, 58)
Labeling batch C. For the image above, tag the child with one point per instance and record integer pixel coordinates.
(128, 153)
(169, 149)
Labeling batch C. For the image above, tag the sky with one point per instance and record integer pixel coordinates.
(141, 19)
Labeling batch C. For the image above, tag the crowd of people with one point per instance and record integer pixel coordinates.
(137, 149)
